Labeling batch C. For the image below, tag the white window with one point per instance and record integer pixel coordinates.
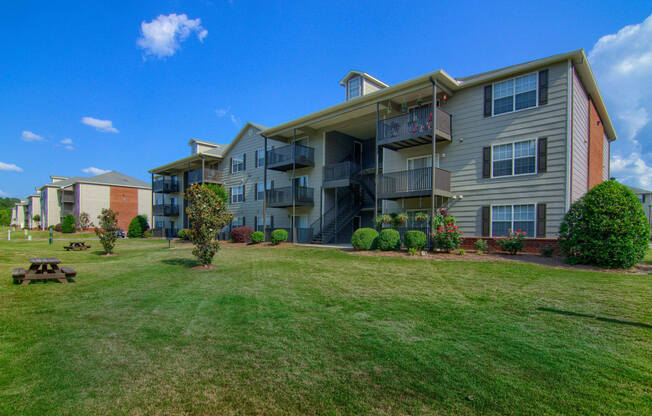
(422, 162)
(513, 217)
(259, 222)
(259, 190)
(237, 194)
(518, 158)
(301, 181)
(354, 87)
(515, 94)
(301, 221)
(237, 222)
(260, 157)
(237, 164)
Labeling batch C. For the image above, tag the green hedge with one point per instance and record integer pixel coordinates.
(137, 227)
(257, 237)
(415, 239)
(279, 236)
(68, 225)
(364, 238)
(389, 239)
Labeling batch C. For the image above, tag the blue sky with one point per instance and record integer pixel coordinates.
(88, 87)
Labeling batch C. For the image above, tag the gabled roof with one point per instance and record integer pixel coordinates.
(353, 73)
(240, 134)
(110, 178)
(638, 191)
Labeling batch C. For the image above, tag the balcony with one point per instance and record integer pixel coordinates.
(282, 197)
(170, 232)
(165, 185)
(209, 176)
(166, 210)
(413, 183)
(282, 158)
(68, 198)
(413, 128)
(338, 175)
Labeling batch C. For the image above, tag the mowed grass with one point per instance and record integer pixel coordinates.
(317, 331)
(20, 234)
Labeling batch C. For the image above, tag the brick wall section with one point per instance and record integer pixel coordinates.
(124, 201)
(596, 146)
(532, 245)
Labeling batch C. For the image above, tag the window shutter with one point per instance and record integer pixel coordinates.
(244, 192)
(543, 87)
(541, 220)
(230, 165)
(244, 161)
(271, 220)
(256, 159)
(256, 191)
(244, 221)
(542, 155)
(486, 162)
(487, 100)
(230, 195)
(486, 221)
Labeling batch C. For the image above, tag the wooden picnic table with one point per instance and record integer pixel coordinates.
(43, 268)
(76, 245)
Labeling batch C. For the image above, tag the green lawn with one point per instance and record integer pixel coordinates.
(318, 331)
(19, 234)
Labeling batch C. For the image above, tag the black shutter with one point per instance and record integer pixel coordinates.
(486, 162)
(256, 191)
(230, 195)
(542, 155)
(486, 221)
(271, 222)
(244, 221)
(256, 223)
(230, 165)
(255, 158)
(541, 220)
(244, 192)
(543, 87)
(244, 161)
(487, 100)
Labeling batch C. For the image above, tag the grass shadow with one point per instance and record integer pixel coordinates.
(189, 263)
(599, 318)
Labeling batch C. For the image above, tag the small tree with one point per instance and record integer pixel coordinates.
(37, 219)
(219, 190)
(108, 226)
(137, 227)
(68, 225)
(207, 215)
(84, 221)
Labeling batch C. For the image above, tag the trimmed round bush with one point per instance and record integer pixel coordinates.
(389, 239)
(68, 225)
(278, 236)
(183, 234)
(415, 239)
(137, 227)
(241, 234)
(607, 227)
(364, 238)
(257, 237)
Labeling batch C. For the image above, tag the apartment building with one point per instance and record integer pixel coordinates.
(123, 194)
(19, 214)
(506, 149)
(645, 197)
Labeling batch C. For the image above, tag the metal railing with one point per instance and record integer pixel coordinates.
(68, 197)
(415, 123)
(283, 196)
(164, 185)
(166, 232)
(341, 170)
(303, 155)
(412, 181)
(166, 210)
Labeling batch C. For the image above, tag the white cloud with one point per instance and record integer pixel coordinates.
(105, 126)
(622, 63)
(221, 112)
(67, 144)
(66, 141)
(162, 36)
(3, 193)
(9, 167)
(28, 136)
(95, 171)
(224, 112)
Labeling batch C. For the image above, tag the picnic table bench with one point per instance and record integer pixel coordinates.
(43, 268)
(76, 245)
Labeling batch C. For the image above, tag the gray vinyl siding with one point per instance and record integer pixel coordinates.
(605, 158)
(580, 141)
(368, 87)
(463, 156)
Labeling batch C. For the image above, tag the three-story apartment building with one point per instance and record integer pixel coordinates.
(505, 149)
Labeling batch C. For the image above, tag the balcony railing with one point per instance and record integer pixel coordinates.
(209, 175)
(68, 197)
(339, 174)
(413, 183)
(170, 232)
(282, 159)
(413, 128)
(282, 197)
(165, 185)
(167, 210)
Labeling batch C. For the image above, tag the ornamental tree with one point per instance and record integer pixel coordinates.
(108, 226)
(207, 214)
(607, 227)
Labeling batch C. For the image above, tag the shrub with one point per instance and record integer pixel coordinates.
(481, 246)
(257, 237)
(278, 236)
(68, 225)
(607, 227)
(547, 251)
(137, 227)
(389, 239)
(412, 251)
(207, 215)
(241, 234)
(415, 239)
(219, 190)
(514, 242)
(446, 237)
(57, 228)
(183, 234)
(364, 238)
(461, 252)
(84, 221)
(108, 226)
(36, 218)
(148, 233)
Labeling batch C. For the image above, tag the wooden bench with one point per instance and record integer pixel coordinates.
(69, 272)
(18, 275)
(76, 245)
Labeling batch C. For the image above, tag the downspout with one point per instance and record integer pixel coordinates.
(569, 135)
(294, 191)
(265, 190)
(433, 203)
(376, 152)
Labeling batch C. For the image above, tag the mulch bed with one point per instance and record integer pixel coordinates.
(554, 261)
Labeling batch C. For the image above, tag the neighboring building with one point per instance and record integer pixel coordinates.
(646, 200)
(123, 194)
(511, 148)
(33, 208)
(19, 214)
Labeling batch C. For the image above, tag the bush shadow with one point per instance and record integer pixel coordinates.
(189, 263)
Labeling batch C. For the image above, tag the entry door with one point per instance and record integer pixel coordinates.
(357, 153)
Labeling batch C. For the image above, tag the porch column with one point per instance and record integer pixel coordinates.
(376, 151)
(434, 149)
(294, 193)
(202, 170)
(265, 190)
(153, 224)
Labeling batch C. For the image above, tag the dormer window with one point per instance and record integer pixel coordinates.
(354, 88)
